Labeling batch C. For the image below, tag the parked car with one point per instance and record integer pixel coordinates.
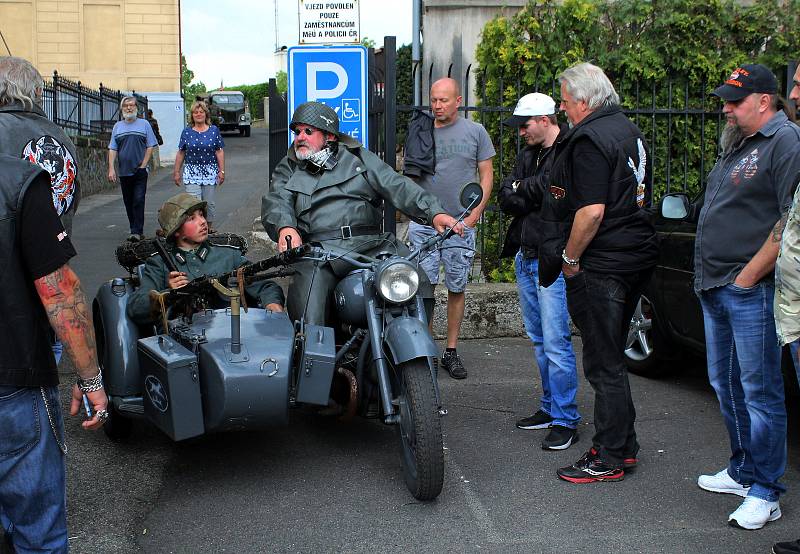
(668, 321)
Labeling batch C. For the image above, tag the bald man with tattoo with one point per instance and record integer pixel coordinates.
(38, 290)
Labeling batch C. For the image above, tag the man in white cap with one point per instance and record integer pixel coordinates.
(544, 310)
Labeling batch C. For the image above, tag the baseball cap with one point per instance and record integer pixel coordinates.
(747, 79)
(530, 106)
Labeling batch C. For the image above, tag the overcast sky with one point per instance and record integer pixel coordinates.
(234, 40)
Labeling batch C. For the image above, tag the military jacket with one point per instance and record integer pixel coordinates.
(787, 278)
(207, 260)
(349, 194)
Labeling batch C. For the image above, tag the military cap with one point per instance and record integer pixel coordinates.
(322, 117)
(174, 212)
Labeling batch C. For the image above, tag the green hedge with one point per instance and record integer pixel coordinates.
(678, 50)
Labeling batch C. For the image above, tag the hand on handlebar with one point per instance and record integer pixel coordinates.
(441, 222)
(293, 241)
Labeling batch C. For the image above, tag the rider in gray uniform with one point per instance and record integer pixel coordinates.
(329, 190)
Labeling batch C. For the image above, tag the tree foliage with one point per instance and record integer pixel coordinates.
(189, 90)
(661, 55)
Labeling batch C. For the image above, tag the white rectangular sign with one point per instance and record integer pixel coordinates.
(329, 21)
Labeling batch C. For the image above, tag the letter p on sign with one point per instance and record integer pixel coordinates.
(313, 69)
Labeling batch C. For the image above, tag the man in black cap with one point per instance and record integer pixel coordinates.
(747, 198)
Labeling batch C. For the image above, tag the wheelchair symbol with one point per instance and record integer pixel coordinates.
(351, 109)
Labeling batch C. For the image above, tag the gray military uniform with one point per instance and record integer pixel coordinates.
(350, 194)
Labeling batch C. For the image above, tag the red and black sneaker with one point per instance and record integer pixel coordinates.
(630, 462)
(591, 468)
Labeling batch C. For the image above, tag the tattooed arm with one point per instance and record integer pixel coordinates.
(764, 260)
(69, 315)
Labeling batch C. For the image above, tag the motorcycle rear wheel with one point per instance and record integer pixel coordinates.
(420, 431)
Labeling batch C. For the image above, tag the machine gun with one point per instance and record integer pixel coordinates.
(191, 296)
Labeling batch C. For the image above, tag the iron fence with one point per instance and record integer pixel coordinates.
(81, 110)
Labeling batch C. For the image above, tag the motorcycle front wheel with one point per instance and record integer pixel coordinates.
(420, 431)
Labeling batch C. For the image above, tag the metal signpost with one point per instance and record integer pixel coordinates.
(336, 76)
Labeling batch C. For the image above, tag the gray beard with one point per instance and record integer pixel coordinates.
(305, 154)
(732, 136)
(129, 117)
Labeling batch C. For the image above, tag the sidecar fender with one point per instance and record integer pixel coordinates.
(116, 339)
(408, 338)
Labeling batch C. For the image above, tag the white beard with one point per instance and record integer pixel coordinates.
(129, 116)
(307, 152)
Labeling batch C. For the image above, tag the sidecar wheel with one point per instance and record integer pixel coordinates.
(420, 431)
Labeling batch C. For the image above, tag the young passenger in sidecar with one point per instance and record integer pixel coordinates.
(212, 368)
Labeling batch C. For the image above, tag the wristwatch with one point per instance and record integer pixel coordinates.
(92, 383)
(569, 261)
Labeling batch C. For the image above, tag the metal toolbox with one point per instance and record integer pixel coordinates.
(317, 365)
(171, 387)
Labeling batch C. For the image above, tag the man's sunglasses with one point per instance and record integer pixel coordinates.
(308, 131)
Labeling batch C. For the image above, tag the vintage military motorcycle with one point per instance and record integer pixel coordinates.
(242, 367)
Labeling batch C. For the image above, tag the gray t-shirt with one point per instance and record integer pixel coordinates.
(747, 192)
(459, 148)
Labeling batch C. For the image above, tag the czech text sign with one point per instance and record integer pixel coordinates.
(336, 76)
(329, 22)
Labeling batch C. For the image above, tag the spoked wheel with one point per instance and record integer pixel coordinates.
(420, 431)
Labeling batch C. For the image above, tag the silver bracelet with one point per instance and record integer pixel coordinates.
(569, 261)
(92, 383)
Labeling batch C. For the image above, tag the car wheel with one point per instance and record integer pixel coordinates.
(641, 356)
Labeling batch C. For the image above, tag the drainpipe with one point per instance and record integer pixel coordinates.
(416, 50)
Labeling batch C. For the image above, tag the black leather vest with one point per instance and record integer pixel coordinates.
(26, 357)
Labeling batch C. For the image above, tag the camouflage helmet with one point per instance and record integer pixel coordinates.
(174, 212)
(322, 117)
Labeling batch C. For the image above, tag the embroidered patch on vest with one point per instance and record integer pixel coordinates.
(52, 156)
(557, 192)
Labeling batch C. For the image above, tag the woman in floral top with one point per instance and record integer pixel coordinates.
(201, 148)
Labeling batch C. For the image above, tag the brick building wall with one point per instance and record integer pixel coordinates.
(125, 44)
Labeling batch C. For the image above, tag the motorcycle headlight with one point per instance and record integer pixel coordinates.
(397, 281)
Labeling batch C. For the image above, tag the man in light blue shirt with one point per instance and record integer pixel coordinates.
(132, 143)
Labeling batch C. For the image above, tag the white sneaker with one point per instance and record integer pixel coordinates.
(722, 482)
(754, 513)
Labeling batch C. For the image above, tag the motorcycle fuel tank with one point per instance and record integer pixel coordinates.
(349, 298)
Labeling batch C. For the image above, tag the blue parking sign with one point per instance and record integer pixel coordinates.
(336, 76)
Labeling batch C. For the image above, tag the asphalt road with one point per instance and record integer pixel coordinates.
(322, 486)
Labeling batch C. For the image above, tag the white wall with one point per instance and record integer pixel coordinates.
(168, 109)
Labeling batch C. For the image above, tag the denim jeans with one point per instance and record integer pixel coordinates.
(601, 306)
(794, 348)
(33, 509)
(544, 312)
(134, 188)
(744, 367)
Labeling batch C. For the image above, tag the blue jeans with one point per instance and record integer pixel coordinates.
(33, 509)
(134, 188)
(744, 367)
(794, 348)
(544, 312)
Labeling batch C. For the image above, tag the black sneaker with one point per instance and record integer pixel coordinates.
(630, 462)
(134, 238)
(589, 469)
(791, 547)
(452, 364)
(559, 438)
(539, 420)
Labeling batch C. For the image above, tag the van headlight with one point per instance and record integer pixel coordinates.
(397, 281)
(242, 117)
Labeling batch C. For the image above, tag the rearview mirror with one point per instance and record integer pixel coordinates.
(675, 206)
(471, 196)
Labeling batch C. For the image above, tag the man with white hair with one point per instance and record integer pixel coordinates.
(544, 310)
(26, 132)
(132, 143)
(602, 238)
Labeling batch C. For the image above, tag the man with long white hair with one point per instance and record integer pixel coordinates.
(601, 237)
